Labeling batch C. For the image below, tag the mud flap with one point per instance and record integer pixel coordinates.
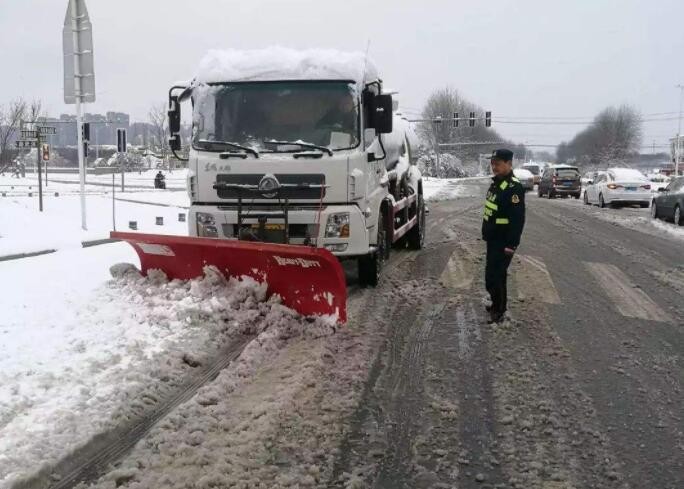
(309, 280)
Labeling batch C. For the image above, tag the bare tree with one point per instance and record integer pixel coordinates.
(158, 119)
(444, 103)
(612, 138)
(10, 119)
(34, 111)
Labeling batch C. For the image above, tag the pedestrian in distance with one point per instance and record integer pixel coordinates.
(502, 227)
(160, 180)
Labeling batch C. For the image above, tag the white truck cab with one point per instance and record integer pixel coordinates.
(301, 148)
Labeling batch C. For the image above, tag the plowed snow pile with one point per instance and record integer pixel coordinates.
(111, 355)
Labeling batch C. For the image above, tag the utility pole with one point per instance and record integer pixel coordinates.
(39, 165)
(678, 150)
(437, 120)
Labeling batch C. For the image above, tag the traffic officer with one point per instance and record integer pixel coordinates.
(502, 226)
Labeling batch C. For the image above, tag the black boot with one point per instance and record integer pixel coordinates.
(496, 317)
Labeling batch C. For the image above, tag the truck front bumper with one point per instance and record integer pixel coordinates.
(305, 226)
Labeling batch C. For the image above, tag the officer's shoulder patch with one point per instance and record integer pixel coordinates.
(515, 199)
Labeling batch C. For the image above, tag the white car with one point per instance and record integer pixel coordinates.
(533, 168)
(526, 178)
(619, 186)
(658, 181)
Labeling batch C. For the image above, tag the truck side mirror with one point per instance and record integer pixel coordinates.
(383, 114)
(174, 123)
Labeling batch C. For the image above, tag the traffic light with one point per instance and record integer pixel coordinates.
(46, 152)
(121, 140)
(488, 119)
(472, 119)
(455, 119)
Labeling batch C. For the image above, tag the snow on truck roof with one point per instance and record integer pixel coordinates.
(278, 63)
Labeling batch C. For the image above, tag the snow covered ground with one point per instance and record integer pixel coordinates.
(109, 348)
(450, 188)
(69, 182)
(175, 180)
(23, 229)
(630, 217)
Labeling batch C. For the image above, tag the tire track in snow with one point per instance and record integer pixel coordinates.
(93, 459)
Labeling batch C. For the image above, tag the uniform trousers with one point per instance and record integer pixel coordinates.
(496, 275)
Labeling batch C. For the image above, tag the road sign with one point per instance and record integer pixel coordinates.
(77, 43)
(47, 130)
(46, 152)
(29, 134)
(25, 143)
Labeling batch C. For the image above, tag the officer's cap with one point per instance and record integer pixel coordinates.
(502, 154)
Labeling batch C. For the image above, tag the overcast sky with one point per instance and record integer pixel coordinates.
(523, 58)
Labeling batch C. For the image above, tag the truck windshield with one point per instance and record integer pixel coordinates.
(321, 113)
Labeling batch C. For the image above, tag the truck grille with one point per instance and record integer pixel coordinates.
(254, 179)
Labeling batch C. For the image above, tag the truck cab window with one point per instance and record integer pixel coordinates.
(252, 114)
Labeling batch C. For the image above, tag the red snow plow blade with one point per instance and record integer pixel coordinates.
(309, 280)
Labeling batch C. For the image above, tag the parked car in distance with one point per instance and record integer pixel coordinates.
(619, 186)
(560, 180)
(658, 181)
(535, 169)
(526, 178)
(669, 202)
(589, 177)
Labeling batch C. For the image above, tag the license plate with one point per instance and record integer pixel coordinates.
(630, 189)
(270, 227)
(568, 184)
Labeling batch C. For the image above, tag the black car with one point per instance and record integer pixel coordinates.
(669, 203)
(560, 180)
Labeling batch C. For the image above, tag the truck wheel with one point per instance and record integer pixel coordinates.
(370, 265)
(416, 236)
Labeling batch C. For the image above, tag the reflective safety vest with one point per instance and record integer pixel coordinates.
(504, 211)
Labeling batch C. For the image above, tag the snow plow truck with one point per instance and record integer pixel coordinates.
(297, 160)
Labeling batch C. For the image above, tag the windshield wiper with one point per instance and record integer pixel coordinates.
(302, 144)
(246, 149)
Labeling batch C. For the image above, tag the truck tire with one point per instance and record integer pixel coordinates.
(370, 265)
(416, 236)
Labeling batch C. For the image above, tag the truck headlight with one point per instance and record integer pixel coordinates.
(337, 226)
(206, 225)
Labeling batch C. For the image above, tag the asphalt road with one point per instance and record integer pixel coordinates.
(581, 388)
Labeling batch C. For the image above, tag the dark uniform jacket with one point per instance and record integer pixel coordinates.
(504, 212)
